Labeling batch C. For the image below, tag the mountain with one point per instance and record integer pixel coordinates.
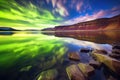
(7, 29)
(48, 29)
(98, 24)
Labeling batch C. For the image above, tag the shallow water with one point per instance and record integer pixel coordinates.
(24, 54)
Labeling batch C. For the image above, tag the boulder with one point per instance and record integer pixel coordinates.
(111, 63)
(48, 75)
(74, 73)
(111, 78)
(116, 66)
(116, 47)
(94, 63)
(74, 56)
(85, 50)
(115, 56)
(116, 51)
(26, 68)
(100, 51)
(86, 69)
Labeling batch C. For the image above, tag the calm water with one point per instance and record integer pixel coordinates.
(24, 55)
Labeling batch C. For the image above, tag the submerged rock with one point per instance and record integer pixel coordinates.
(74, 73)
(115, 56)
(48, 75)
(116, 47)
(100, 51)
(26, 68)
(116, 51)
(74, 56)
(111, 63)
(116, 66)
(111, 78)
(85, 50)
(86, 69)
(95, 64)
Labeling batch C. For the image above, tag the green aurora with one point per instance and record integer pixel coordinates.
(13, 14)
(32, 14)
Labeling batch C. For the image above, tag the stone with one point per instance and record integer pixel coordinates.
(74, 73)
(111, 78)
(74, 56)
(26, 68)
(111, 63)
(100, 51)
(86, 69)
(95, 64)
(85, 50)
(116, 66)
(116, 51)
(116, 47)
(48, 75)
(115, 55)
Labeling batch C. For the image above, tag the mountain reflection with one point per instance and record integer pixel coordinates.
(6, 32)
(110, 37)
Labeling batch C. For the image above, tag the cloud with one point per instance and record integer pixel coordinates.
(78, 6)
(47, 1)
(66, 7)
(87, 17)
(61, 9)
(115, 10)
(100, 14)
(54, 2)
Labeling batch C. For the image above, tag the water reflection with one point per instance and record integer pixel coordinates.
(27, 54)
(6, 32)
(24, 53)
(97, 37)
(110, 37)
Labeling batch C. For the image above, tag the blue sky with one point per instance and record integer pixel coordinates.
(50, 13)
(75, 11)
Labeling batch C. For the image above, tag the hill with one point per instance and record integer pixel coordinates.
(98, 24)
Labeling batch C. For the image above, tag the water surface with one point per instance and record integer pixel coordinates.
(24, 54)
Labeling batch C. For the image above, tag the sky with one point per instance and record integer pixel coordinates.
(31, 14)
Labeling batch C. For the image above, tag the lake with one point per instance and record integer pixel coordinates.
(25, 55)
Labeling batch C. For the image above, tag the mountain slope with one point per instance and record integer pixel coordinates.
(98, 24)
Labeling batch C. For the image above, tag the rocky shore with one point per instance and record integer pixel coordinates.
(78, 70)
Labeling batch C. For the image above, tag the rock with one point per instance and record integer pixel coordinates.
(74, 56)
(111, 63)
(116, 66)
(100, 51)
(116, 47)
(115, 56)
(111, 78)
(116, 51)
(48, 75)
(74, 73)
(95, 64)
(26, 68)
(85, 50)
(86, 69)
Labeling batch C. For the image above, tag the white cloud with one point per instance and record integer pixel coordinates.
(86, 18)
(61, 9)
(78, 6)
(54, 2)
